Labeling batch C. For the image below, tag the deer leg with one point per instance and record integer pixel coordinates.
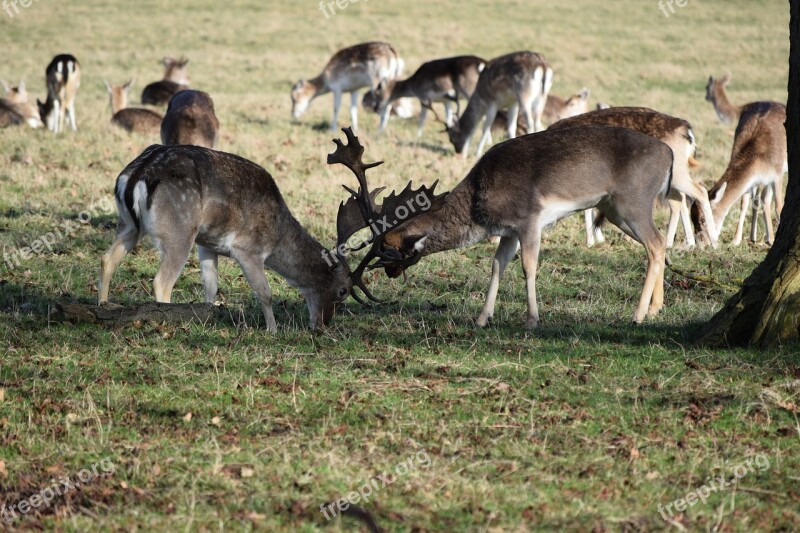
(354, 112)
(674, 217)
(505, 252)
(530, 118)
(686, 220)
(737, 238)
(58, 118)
(757, 193)
(337, 103)
(125, 241)
(777, 189)
(253, 269)
(71, 112)
(448, 113)
(593, 234)
(422, 115)
(174, 253)
(513, 114)
(491, 113)
(531, 243)
(208, 272)
(766, 200)
(639, 225)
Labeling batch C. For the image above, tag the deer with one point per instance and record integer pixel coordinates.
(679, 136)
(229, 206)
(555, 109)
(349, 70)
(16, 109)
(190, 119)
(758, 159)
(131, 119)
(175, 79)
(63, 76)
(515, 190)
(441, 80)
(728, 113)
(516, 81)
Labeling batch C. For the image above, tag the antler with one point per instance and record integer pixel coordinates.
(360, 211)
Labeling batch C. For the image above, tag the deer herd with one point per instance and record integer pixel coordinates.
(612, 163)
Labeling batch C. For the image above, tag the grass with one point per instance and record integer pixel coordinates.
(588, 423)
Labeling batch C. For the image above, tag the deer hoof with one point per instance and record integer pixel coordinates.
(483, 321)
(532, 323)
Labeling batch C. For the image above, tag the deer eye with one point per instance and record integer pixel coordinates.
(342, 292)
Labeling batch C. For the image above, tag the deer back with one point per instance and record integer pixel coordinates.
(190, 119)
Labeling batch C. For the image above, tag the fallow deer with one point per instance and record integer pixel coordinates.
(718, 96)
(349, 70)
(131, 119)
(522, 185)
(441, 80)
(229, 206)
(63, 76)
(555, 109)
(678, 135)
(758, 159)
(190, 119)
(175, 79)
(516, 81)
(16, 109)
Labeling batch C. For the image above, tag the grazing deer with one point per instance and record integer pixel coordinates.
(131, 119)
(678, 135)
(63, 76)
(175, 79)
(441, 80)
(229, 206)
(718, 96)
(522, 185)
(555, 109)
(190, 119)
(349, 70)
(517, 81)
(758, 159)
(16, 109)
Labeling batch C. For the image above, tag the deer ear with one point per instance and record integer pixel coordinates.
(413, 244)
(584, 94)
(725, 79)
(21, 86)
(718, 194)
(108, 86)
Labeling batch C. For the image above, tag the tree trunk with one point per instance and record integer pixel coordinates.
(766, 311)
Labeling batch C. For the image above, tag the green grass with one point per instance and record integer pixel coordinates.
(587, 423)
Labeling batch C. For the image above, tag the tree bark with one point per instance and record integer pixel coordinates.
(766, 311)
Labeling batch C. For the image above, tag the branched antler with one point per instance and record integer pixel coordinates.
(360, 210)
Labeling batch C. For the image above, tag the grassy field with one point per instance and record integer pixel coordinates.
(588, 423)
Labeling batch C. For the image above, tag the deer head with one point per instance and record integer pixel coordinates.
(360, 212)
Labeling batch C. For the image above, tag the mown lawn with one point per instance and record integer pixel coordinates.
(588, 423)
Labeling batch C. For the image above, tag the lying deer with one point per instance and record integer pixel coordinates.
(190, 119)
(229, 206)
(678, 135)
(16, 109)
(441, 80)
(555, 109)
(516, 189)
(131, 119)
(517, 81)
(349, 70)
(729, 113)
(758, 159)
(175, 79)
(63, 76)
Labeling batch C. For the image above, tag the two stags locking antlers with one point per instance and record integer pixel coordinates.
(360, 211)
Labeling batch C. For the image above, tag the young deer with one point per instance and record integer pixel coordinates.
(555, 109)
(349, 70)
(131, 119)
(63, 76)
(175, 79)
(181, 195)
(758, 159)
(190, 119)
(16, 109)
(522, 185)
(678, 135)
(520, 80)
(441, 80)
